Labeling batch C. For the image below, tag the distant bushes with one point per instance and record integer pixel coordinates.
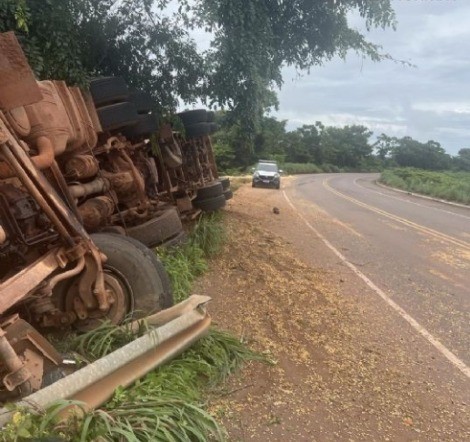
(452, 186)
(301, 168)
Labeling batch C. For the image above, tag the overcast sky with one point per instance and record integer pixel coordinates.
(430, 101)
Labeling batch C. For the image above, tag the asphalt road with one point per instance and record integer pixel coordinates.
(415, 252)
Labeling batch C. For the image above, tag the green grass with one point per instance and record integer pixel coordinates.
(169, 403)
(185, 263)
(451, 186)
(300, 168)
(303, 168)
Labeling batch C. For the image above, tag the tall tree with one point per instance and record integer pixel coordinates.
(408, 152)
(76, 39)
(346, 147)
(463, 159)
(254, 39)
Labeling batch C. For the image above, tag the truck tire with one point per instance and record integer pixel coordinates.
(178, 240)
(212, 190)
(210, 116)
(193, 116)
(146, 125)
(140, 266)
(213, 127)
(159, 229)
(197, 130)
(228, 194)
(225, 182)
(143, 101)
(172, 156)
(210, 204)
(107, 90)
(143, 283)
(117, 116)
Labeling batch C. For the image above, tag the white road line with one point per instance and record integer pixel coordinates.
(408, 201)
(451, 357)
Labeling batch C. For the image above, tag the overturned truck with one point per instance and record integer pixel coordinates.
(76, 194)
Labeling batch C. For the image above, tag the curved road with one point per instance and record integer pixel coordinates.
(416, 252)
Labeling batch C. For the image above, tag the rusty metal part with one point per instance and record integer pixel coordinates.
(82, 133)
(91, 110)
(35, 183)
(86, 117)
(95, 383)
(23, 220)
(18, 118)
(48, 118)
(81, 166)
(28, 350)
(210, 154)
(96, 186)
(17, 374)
(79, 266)
(18, 286)
(3, 235)
(91, 286)
(184, 203)
(95, 212)
(120, 299)
(122, 183)
(56, 178)
(22, 334)
(64, 221)
(18, 86)
(43, 160)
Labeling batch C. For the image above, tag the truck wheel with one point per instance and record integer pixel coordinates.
(178, 240)
(225, 182)
(210, 191)
(197, 130)
(134, 277)
(116, 116)
(213, 127)
(193, 116)
(210, 204)
(143, 101)
(107, 90)
(228, 194)
(210, 116)
(159, 229)
(146, 125)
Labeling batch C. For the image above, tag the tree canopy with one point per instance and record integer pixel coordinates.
(148, 43)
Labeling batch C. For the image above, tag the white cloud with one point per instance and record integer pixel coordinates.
(431, 101)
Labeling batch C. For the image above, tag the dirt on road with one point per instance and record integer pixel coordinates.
(344, 367)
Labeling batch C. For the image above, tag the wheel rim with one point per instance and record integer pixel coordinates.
(119, 291)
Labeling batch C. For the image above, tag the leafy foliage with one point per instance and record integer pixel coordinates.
(452, 186)
(254, 40)
(462, 161)
(146, 41)
(167, 404)
(74, 40)
(186, 262)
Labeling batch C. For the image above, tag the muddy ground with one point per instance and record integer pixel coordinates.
(338, 371)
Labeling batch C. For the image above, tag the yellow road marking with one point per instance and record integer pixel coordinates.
(451, 357)
(310, 205)
(426, 230)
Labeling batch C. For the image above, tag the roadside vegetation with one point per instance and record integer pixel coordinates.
(451, 186)
(169, 403)
(188, 261)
